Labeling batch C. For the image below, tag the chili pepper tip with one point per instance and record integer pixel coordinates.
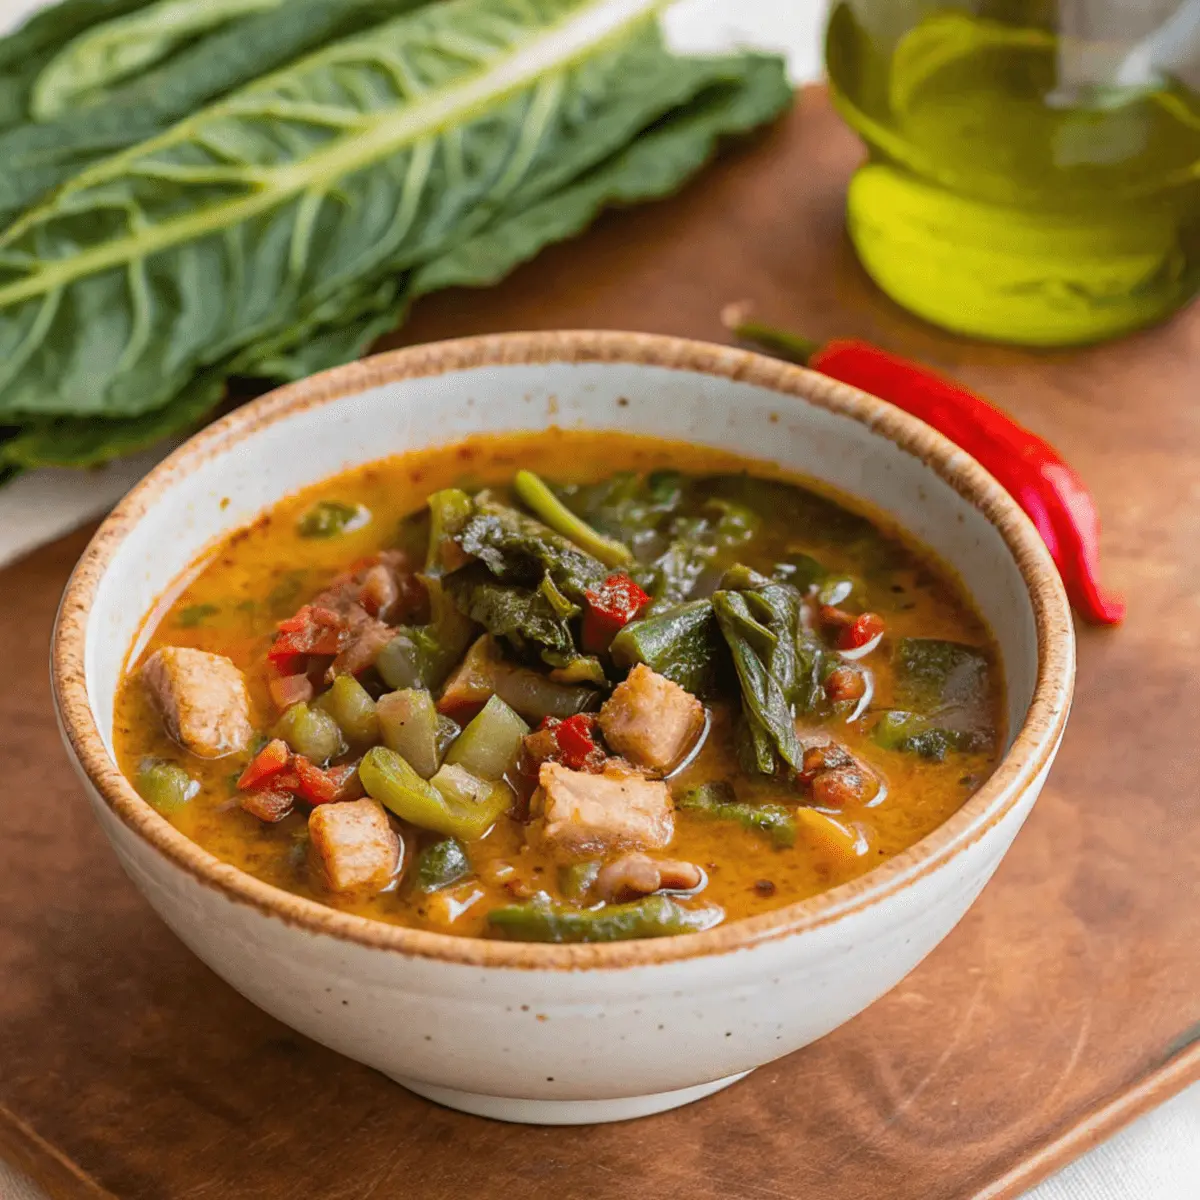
(946, 405)
(1096, 606)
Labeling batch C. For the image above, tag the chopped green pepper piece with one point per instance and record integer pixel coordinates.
(718, 802)
(549, 508)
(478, 802)
(456, 805)
(408, 724)
(442, 864)
(923, 736)
(421, 656)
(167, 786)
(448, 730)
(942, 695)
(330, 518)
(490, 745)
(484, 673)
(655, 916)
(311, 732)
(351, 706)
(580, 669)
(683, 644)
(932, 673)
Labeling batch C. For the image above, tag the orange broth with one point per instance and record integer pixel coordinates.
(231, 602)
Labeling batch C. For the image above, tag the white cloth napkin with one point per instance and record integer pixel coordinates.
(1156, 1158)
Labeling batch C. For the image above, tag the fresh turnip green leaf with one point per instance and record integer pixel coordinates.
(282, 228)
(25, 53)
(116, 49)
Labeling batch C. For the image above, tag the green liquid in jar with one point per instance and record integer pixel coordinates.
(998, 202)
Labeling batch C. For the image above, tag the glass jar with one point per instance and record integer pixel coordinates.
(1034, 165)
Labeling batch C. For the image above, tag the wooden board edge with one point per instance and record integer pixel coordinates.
(1098, 1125)
(24, 1149)
(61, 1179)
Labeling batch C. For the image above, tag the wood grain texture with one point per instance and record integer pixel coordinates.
(1067, 1000)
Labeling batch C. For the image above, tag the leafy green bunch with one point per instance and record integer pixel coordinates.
(195, 190)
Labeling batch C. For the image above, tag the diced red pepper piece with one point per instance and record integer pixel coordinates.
(577, 743)
(574, 744)
(610, 607)
(273, 758)
(309, 631)
(317, 786)
(574, 737)
(866, 628)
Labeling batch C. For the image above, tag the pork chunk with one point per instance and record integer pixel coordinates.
(202, 698)
(587, 815)
(354, 844)
(652, 721)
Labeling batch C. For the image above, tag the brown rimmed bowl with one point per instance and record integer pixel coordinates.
(566, 1034)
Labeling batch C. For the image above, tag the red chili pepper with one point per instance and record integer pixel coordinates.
(610, 607)
(865, 629)
(273, 758)
(317, 786)
(574, 737)
(309, 631)
(1033, 472)
(575, 742)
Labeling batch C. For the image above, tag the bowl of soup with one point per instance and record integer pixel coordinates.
(564, 724)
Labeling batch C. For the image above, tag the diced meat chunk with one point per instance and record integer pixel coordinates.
(634, 875)
(588, 815)
(366, 640)
(835, 777)
(382, 587)
(202, 698)
(540, 746)
(267, 804)
(355, 845)
(379, 591)
(652, 721)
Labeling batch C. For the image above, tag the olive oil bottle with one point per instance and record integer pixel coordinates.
(1034, 169)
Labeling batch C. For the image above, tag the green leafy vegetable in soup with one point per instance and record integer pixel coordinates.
(608, 706)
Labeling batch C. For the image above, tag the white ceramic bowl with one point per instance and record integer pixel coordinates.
(566, 1034)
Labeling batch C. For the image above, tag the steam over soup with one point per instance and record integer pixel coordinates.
(498, 689)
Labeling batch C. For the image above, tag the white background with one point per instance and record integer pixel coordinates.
(1158, 1157)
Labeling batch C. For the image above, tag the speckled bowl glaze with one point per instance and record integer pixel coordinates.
(566, 1034)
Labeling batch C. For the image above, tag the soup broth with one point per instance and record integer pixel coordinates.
(741, 594)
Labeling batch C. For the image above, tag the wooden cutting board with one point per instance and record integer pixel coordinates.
(1065, 1003)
